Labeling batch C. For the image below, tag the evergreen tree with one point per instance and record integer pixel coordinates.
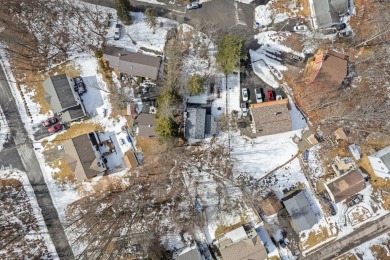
(230, 51)
(123, 11)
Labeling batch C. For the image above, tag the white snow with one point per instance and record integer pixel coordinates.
(263, 15)
(4, 129)
(364, 250)
(40, 223)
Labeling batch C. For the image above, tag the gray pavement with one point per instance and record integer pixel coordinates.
(363, 234)
(19, 153)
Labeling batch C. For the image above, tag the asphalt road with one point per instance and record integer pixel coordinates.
(19, 153)
(363, 234)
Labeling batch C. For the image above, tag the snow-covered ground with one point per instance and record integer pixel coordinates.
(4, 129)
(367, 250)
(35, 239)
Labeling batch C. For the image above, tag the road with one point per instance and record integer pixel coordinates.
(363, 234)
(18, 152)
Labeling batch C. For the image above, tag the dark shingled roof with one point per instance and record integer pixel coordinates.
(86, 154)
(195, 125)
(347, 185)
(64, 91)
(301, 211)
(328, 12)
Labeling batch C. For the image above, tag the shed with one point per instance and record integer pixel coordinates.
(130, 159)
(340, 134)
(345, 186)
(270, 205)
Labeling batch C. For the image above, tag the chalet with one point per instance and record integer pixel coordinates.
(63, 99)
(271, 117)
(199, 123)
(83, 156)
(242, 244)
(301, 209)
(328, 12)
(380, 162)
(132, 63)
(345, 186)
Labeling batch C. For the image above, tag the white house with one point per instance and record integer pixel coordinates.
(380, 162)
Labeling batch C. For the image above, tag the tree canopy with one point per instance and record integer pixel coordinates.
(230, 51)
(151, 18)
(123, 8)
(195, 85)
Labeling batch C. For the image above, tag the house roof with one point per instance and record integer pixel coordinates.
(340, 134)
(81, 157)
(133, 63)
(130, 160)
(146, 125)
(334, 69)
(195, 124)
(271, 117)
(62, 98)
(328, 12)
(270, 205)
(189, 253)
(245, 249)
(347, 185)
(380, 162)
(300, 209)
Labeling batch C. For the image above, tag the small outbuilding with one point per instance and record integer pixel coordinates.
(380, 162)
(270, 205)
(345, 186)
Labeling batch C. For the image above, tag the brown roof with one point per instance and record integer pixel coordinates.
(333, 69)
(271, 117)
(347, 185)
(246, 249)
(81, 157)
(130, 159)
(271, 205)
(340, 134)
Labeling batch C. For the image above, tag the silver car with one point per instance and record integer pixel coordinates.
(193, 5)
(259, 95)
(245, 95)
(117, 31)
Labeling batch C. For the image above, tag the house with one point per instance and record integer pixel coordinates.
(130, 159)
(380, 162)
(270, 205)
(145, 125)
(271, 117)
(83, 156)
(301, 209)
(242, 244)
(188, 253)
(343, 165)
(333, 70)
(340, 135)
(64, 100)
(198, 123)
(345, 186)
(327, 12)
(132, 63)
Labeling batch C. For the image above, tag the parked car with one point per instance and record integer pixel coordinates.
(244, 109)
(296, 57)
(56, 128)
(300, 28)
(117, 31)
(340, 26)
(193, 5)
(245, 95)
(259, 95)
(345, 33)
(355, 200)
(270, 95)
(333, 210)
(50, 121)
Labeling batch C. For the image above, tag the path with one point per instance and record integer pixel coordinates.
(363, 234)
(19, 152)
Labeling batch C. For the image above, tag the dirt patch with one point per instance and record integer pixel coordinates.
(315, 238)
(77, 130)
(224, 229)
(379, 251)
(151, 148)
(347, 256)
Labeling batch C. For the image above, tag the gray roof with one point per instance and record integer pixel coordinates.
(146, 125)
(62, 98)
(301, 210)
(328, 12)
(132, 63)
(211, 125)
(195, 124)
(190, 254)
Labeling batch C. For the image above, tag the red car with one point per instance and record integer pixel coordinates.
(270, 95)
(56, 128)
(50, 121)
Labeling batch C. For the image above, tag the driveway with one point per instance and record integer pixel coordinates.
(19, 153)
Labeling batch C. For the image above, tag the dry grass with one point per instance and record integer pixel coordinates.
(34, 82)
(224, 229)
(77, 130)
(151, 148)
(65, 174)
(306, 8)
(347, 256)
(105, 183)
(315, 238)
(379, 252)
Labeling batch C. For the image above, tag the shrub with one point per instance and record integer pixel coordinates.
(230, 51)
(166, 127)
(123, 8)
(150, 18)
(195, 85)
